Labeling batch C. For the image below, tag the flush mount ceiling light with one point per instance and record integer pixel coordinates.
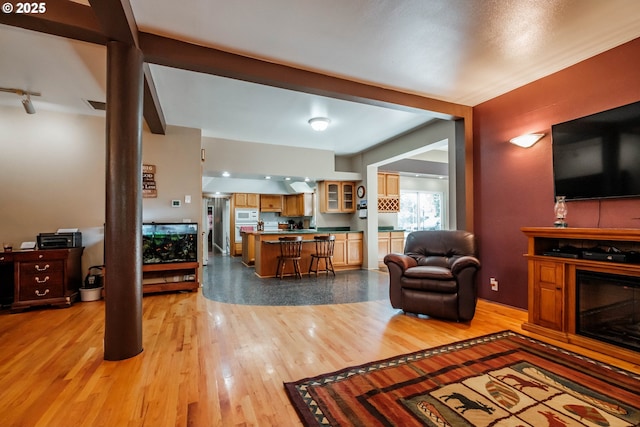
(526, 140)
(26, 98)
(319, 123)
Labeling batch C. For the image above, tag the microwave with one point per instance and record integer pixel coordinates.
(246, 215)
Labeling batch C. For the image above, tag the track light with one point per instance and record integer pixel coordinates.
(26, 98)
(28, 106)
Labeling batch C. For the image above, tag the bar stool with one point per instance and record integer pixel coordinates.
(290, 250)
(324, 250)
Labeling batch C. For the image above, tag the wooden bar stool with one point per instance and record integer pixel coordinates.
(324, 250)
(290, 250)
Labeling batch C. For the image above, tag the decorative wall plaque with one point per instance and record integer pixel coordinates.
(149, 181)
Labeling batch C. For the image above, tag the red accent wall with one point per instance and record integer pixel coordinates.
(514, 185)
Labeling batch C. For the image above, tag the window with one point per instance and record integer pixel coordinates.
(420, 210)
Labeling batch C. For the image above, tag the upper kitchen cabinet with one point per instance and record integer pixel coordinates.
(337, 196)
(388, 184)
(270, 203)
(388, 192)
(298, 205)
(246, 200)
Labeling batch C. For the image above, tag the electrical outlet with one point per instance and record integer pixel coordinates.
(494, 283)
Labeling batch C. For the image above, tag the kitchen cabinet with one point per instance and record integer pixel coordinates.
(246, 200)
(348, 250)
(388, 192)
(392, 182)
(337, 196)
(298, 205)
(388, 184)
(270, 203)
(354, 249)
(248, 248)
(389, 242)
(347, 253)
(340, 250)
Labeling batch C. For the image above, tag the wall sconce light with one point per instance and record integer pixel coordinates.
(319, 123)
(526, 140)
(26, 98)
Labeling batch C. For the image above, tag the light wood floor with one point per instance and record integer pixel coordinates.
(204, 363)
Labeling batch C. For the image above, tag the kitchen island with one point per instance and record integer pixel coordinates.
(347, 253)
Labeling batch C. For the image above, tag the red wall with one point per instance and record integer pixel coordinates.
(514, 185)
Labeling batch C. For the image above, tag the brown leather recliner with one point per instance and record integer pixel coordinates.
(435, 275)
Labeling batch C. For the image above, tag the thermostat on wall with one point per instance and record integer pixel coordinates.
(176, 203)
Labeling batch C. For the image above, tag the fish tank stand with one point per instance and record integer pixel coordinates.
(169, 254)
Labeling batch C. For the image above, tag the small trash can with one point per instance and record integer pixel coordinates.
(91, 289)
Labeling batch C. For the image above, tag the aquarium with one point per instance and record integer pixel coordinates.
(169, 242)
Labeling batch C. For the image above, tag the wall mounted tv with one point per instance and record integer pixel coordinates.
(598, 156)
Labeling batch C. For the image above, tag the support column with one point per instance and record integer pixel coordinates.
(123, 217)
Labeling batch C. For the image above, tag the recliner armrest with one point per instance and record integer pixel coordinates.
(402, 260)
(464, 262)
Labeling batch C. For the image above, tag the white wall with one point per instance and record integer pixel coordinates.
(242, 158)
(52, 169)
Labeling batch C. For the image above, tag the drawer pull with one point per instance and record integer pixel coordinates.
(46, 278)
(42, 294)
(42, 268)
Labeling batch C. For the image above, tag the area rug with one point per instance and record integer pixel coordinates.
(503, 379)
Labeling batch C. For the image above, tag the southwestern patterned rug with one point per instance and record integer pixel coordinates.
(503, 379)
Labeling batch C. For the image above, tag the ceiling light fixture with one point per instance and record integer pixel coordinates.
(319, 123)
(26, 98)
(526, 140)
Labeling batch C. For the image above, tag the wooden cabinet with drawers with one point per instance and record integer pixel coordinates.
(46, 277)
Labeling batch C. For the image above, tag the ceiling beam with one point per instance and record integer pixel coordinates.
(62, 18)
(118, 23)
(188, 56)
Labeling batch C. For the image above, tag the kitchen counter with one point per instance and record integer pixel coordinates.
(303, 231)
(347, 250)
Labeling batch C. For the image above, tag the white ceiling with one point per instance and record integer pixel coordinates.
(461, 51)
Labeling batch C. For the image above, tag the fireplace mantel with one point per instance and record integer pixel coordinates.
(553, 257)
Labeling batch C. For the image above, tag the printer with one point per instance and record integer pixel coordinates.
(60, 240)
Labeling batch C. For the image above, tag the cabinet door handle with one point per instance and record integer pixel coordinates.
(42, 294)
(46, 278)
(42, 268)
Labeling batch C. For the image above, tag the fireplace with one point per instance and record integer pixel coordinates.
(608, 308)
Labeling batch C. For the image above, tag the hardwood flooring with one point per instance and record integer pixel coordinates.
(204, 363)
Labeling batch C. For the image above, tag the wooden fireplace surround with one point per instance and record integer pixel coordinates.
(552, 281)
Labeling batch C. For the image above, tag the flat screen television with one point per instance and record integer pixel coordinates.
(169, 242)
(598, 156)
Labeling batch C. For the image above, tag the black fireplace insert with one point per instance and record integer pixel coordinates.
(608, 308)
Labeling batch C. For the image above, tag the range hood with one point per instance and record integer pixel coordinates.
(298, 187)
